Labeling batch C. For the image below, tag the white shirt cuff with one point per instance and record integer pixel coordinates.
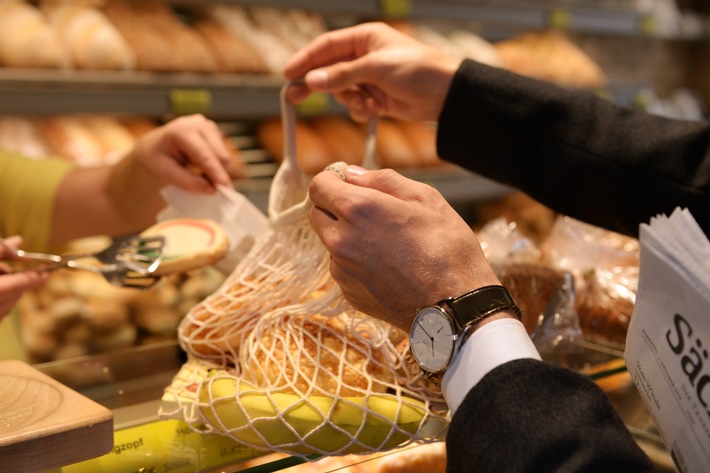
(492, 345)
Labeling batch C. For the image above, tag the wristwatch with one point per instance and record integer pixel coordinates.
(438, 331)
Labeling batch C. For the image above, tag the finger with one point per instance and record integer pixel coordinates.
(343, 75)
(361, 104)
(214, 165)
(387, 181)
(14, 241)
(14, 284)
(195, 151)
(328, 48)
(188, 178)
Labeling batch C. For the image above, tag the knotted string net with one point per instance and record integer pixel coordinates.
(279, 360)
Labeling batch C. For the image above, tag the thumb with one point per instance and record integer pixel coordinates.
(386, 181)
(343, 75)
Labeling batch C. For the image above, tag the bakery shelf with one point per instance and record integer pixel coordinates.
(46, 92)
(494, 16)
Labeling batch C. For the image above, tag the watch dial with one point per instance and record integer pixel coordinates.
(432, 339)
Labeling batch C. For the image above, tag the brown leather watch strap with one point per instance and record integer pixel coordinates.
(471, 308)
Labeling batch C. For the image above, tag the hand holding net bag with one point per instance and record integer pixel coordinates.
(279, 360)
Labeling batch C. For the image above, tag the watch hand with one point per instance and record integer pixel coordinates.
(427, 334)
(424, 330)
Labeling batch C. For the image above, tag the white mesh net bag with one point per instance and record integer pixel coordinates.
(279, 360)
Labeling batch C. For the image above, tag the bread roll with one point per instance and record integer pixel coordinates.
(344, 139)
(92, 41)
(113, 137)
(27, 39)
(312, 155)
(21, 135)
(138, 126)
(69, 138)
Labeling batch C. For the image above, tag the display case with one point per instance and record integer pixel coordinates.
(131, 383)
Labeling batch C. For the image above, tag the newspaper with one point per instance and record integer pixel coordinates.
(668, 342)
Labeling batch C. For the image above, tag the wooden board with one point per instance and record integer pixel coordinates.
(44, 424)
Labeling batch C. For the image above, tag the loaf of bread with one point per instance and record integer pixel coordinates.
(27, 39)
(92, 41)
(312, 155)
(422, 138)
(234, 54)
(274, 51)
(394, 150)
(159, 40)
(344, 139)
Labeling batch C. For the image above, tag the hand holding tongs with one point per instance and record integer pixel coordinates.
(128, 262)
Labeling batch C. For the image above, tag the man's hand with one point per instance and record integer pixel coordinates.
(374, 70)
(395, 244)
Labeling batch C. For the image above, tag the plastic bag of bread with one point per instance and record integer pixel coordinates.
(606, 269)
(544, 294)
(277, 358)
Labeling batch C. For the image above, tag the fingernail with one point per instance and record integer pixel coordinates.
(354, 171)
(317, 78)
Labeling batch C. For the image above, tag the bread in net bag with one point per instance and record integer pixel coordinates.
(279, 360)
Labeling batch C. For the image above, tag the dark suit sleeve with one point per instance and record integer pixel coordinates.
(577, 153)
(531, 416)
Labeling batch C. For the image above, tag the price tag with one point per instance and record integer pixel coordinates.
(605, 94)
(647, 25)
(316, 104)
(396, 8)
(189, 101)
(559, 18)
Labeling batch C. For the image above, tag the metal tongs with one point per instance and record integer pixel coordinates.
(128, 262)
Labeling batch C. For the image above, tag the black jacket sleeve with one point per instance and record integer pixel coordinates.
(579, 154)
(531, 416)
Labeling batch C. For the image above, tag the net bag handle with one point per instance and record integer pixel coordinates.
(290, 178)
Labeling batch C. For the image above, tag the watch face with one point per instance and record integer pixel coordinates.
(432, 339)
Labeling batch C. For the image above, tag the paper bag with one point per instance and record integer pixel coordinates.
(241, 220)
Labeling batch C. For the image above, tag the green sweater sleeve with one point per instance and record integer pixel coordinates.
(27, 192)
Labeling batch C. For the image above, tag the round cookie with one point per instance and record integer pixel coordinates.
(190, 243)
